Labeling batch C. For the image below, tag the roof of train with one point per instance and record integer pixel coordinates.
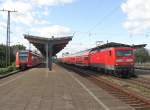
(108, 45)
(114, 44)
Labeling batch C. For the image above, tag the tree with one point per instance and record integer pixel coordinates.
(18, 47)
(13, 50)
(2, 55)
(142, 55)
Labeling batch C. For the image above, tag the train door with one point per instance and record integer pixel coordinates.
(109, 59)
(29, 59)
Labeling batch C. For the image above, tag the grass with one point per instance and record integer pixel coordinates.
(7, 70)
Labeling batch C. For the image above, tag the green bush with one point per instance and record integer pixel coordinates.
(7, 70)
(3, 70)
(10, 68)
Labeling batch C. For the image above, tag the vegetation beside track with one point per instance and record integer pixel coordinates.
(13, 49)
(142, 55)
(7, 70)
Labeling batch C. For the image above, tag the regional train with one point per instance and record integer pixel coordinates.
(111, 58)
(27, 59)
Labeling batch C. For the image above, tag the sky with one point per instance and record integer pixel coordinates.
(122, 21)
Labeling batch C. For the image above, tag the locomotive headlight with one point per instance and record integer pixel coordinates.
(124, 60)
(129, 60)
(119, 60)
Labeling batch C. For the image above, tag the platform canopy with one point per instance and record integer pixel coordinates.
(48, 46)
(57, 43)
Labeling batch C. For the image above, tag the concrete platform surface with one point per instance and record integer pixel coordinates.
(60, 89)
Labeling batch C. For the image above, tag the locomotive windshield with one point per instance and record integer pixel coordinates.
(124, 52)
(23, 56)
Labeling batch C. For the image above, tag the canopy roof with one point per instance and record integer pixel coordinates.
(57, 43)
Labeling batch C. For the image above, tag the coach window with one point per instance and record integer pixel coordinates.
(109, 53)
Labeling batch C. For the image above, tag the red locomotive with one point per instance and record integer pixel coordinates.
(113, 58)
(26, 59)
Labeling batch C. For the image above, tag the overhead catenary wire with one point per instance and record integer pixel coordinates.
(104, 18)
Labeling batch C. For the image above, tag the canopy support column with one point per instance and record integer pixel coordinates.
(49, 55)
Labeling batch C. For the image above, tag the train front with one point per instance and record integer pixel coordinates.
(124, 61)
(22, 59)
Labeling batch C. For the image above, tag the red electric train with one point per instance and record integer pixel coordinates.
(26, 59)
(112, 58)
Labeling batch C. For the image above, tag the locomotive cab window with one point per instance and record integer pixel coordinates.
(23, 56)
(124, 52)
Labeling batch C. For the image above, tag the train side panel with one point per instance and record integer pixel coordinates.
(30, 63)
(83, 59)
(109, 59)
(98, 59)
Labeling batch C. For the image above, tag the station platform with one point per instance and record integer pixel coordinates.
(59, 89)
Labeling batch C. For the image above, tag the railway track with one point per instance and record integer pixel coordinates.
(129, 97)
(141, 83)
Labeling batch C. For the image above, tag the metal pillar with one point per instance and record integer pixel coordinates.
(46, 48)
(49, 56)
(8, 37)
(8, 40)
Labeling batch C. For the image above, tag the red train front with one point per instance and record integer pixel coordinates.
(26, 59)
(124, 61)
(114, 60)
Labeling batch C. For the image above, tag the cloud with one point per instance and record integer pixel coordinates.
(52, 2)
(3, 25)
(23, 14)
(138, 15)
(17, 5)
(32, 18)
(55, 30)
(30, 12)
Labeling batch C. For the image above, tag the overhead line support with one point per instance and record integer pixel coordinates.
(8, 36)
